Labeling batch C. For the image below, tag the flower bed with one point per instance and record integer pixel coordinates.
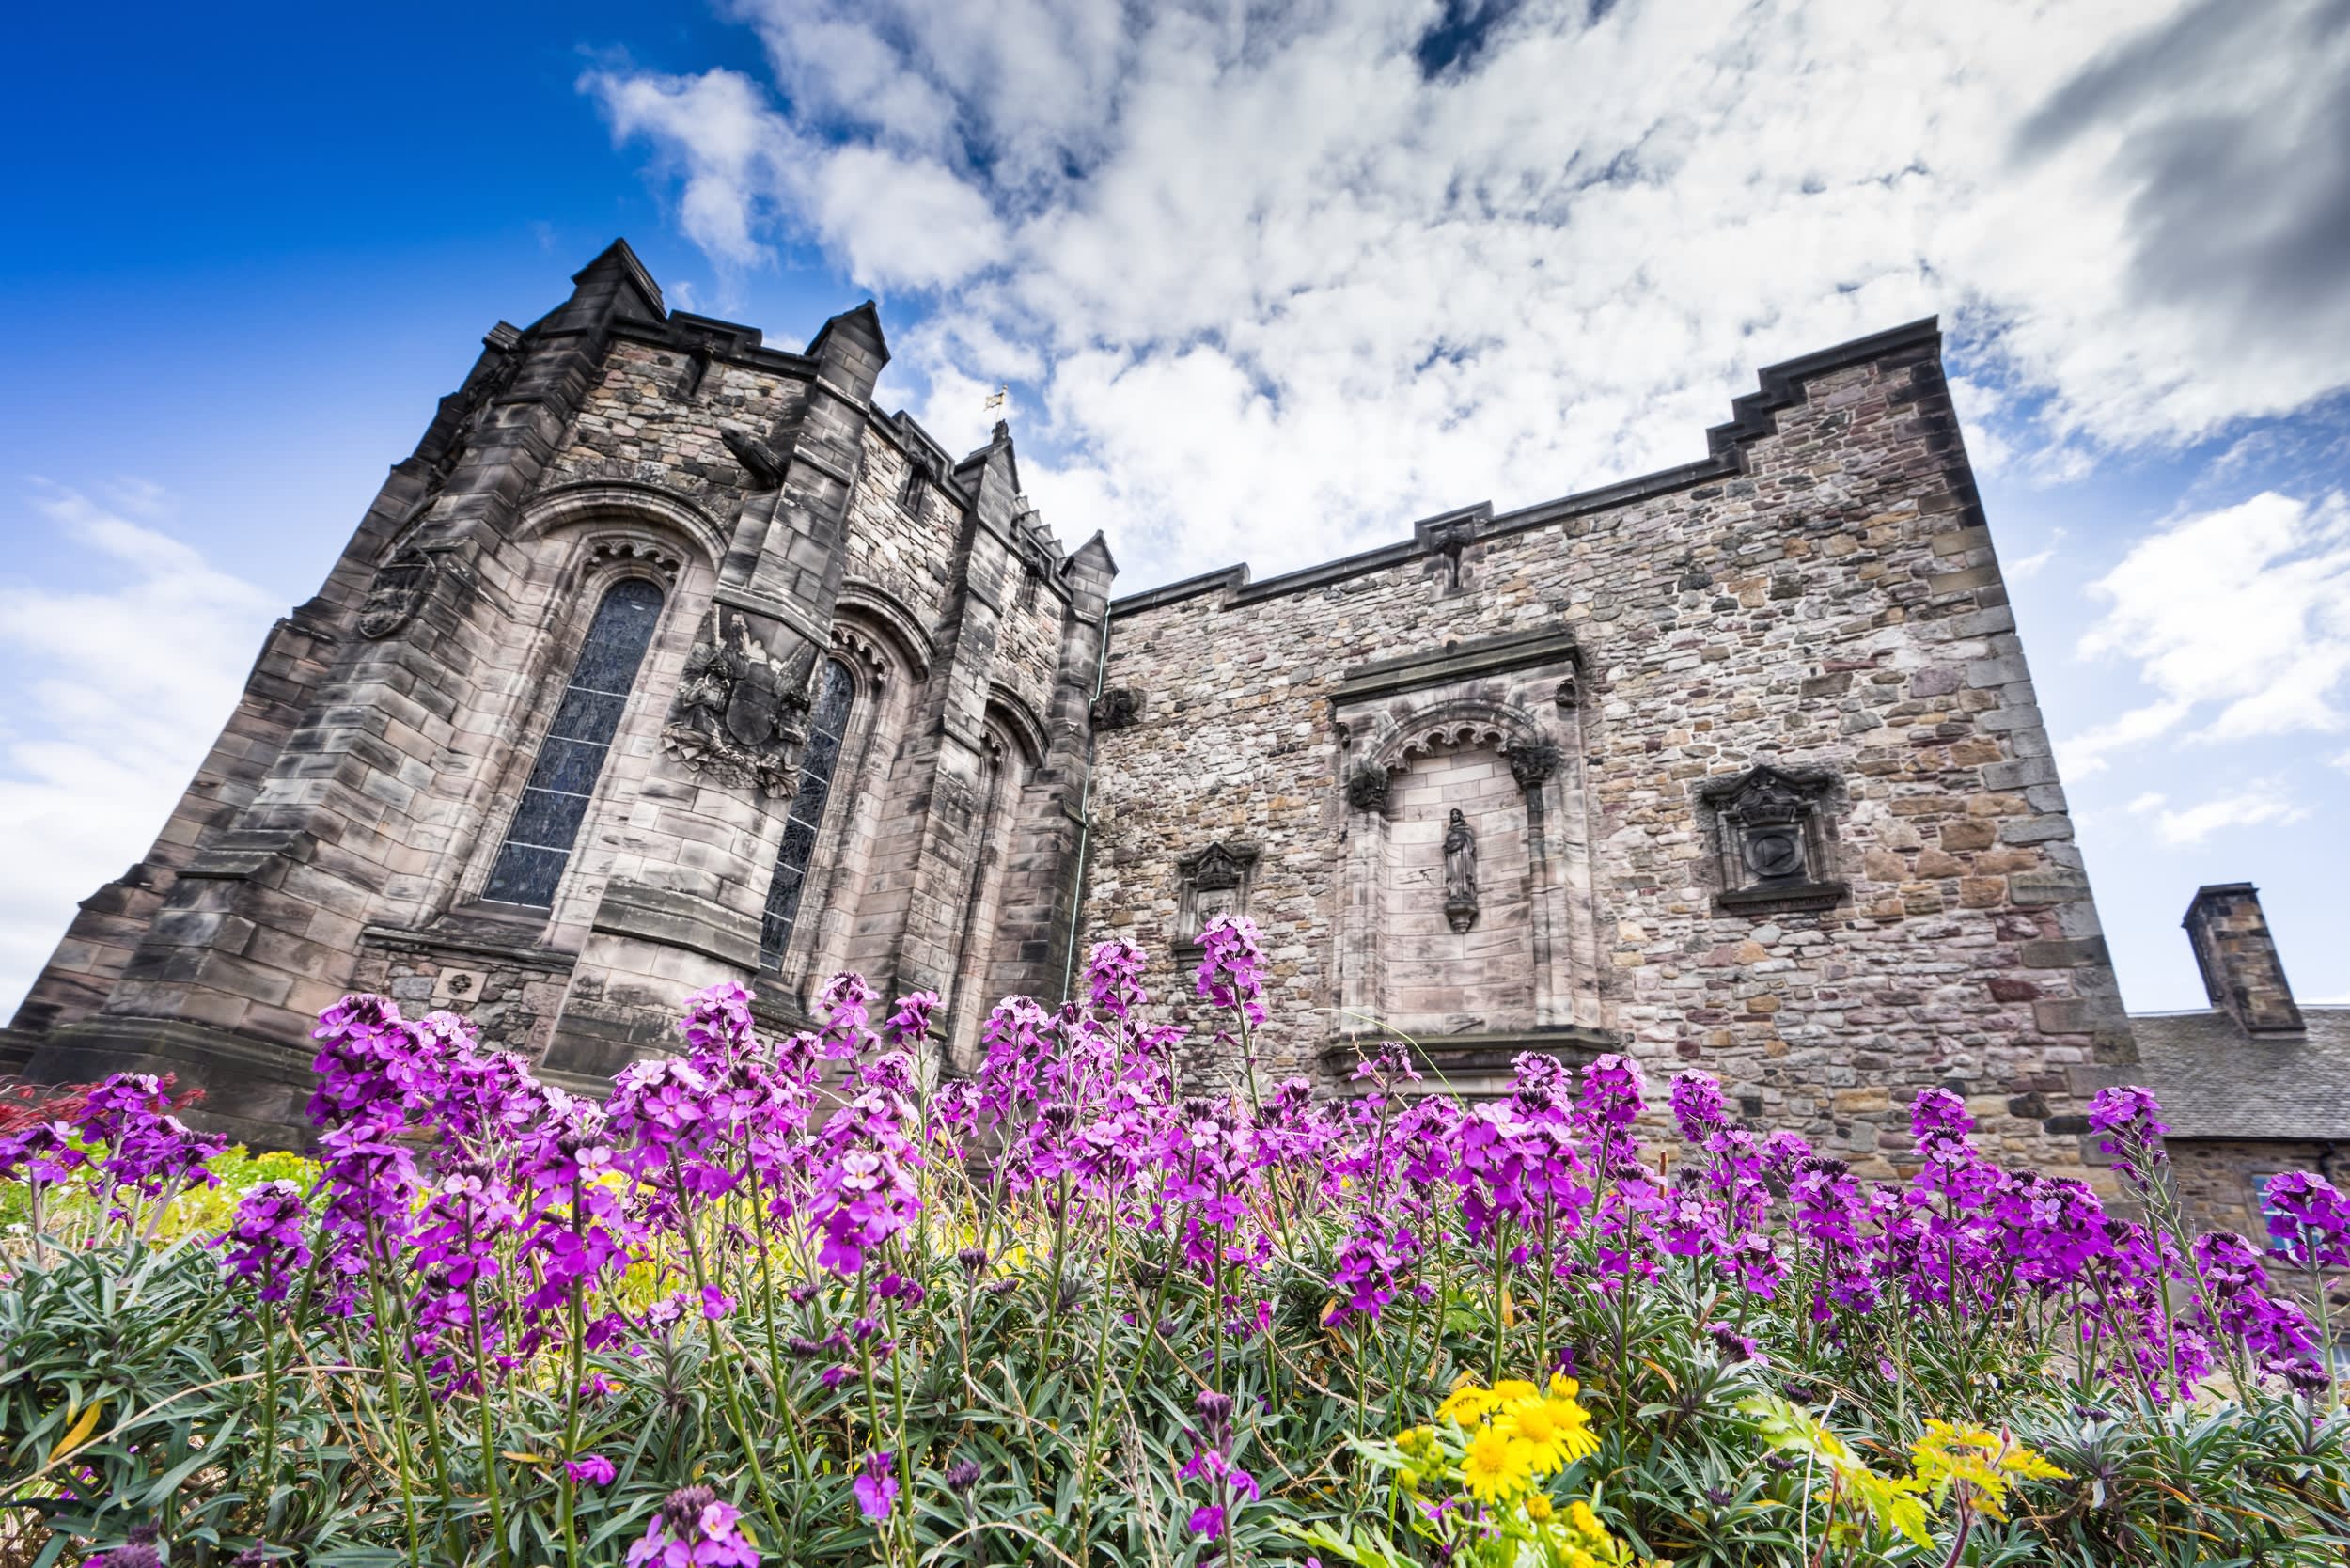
(784, 1301)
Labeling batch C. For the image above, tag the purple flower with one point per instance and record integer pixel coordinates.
(1611, 1097)
(2132, 1116)
(692, 1529)
(265, 1241)
(592, 1469)
(1697, 1104)
(2308, 1220)
(1114, 973)
(911, 1023)
(716, 1304)
(876, 1487)
(1231, 967)
(1208, 1520)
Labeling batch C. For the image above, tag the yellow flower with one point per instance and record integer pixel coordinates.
(1415, 1440)
(1514, 1390)
(1468, 1403)
(1563, 1387)
(1496, 1464)
(1538, 1506)
(1559, 1428)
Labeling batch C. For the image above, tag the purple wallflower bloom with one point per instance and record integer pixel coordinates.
(876, 1487)
(1231, 967)
(692, 1529)
(265, 1241)
(2130, 1116)
(592, 1469)
(1697, 1104)
(1612, 1091)
(911, 1023)
(2308, 1220)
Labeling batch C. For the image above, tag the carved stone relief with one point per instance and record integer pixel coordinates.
(741, 714)
(1774, 843)
(398, 591)
(1366, 786)
(760, 459)
(1117, 707)
(1531, 761)
(1211, 882)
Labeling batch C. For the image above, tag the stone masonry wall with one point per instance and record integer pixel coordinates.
(1822, 593)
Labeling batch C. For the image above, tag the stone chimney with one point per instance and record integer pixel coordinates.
(2239, 959)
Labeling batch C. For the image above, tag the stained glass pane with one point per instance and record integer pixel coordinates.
(545, 820)
(538, 841)
(828, 719)
(568, 766)
(525, 876)
(587, 715)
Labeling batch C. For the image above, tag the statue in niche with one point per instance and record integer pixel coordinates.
(1460, 871)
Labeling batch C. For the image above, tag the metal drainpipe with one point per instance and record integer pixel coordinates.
(1085, 804)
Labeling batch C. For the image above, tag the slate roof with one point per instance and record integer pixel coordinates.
(2215, 1081)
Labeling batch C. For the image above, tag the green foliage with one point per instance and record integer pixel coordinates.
(1078, 1411)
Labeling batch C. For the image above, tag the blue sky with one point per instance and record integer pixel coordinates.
(1264, 285)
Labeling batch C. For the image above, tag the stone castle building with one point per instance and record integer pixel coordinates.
(667, 657)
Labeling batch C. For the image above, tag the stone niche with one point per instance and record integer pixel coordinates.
(1472, 934)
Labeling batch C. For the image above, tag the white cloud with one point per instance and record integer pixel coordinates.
(2024, 568)
(2240, 617)
(1279, 288)
(2088, 753)
(120, 685)
(2263, 801)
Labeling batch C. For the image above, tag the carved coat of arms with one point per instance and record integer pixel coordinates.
(742, 714)
(398, 591)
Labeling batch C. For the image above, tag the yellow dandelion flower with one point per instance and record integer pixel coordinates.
(1497, 1465)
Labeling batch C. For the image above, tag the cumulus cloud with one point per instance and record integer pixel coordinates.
(1281, 278)
(2240, 617)
(2263, 801)
(121, 683)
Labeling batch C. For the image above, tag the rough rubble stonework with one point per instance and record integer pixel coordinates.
(1827, 597)
(1750, 772)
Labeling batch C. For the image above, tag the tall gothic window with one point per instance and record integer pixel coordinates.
(826, 723)
(554, 800)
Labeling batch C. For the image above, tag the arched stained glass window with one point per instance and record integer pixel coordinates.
(554, 800)
(826, 722)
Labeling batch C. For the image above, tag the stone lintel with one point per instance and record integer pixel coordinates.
(674, 919)
(469, 945)
(1794, 895)
(1456, 661)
